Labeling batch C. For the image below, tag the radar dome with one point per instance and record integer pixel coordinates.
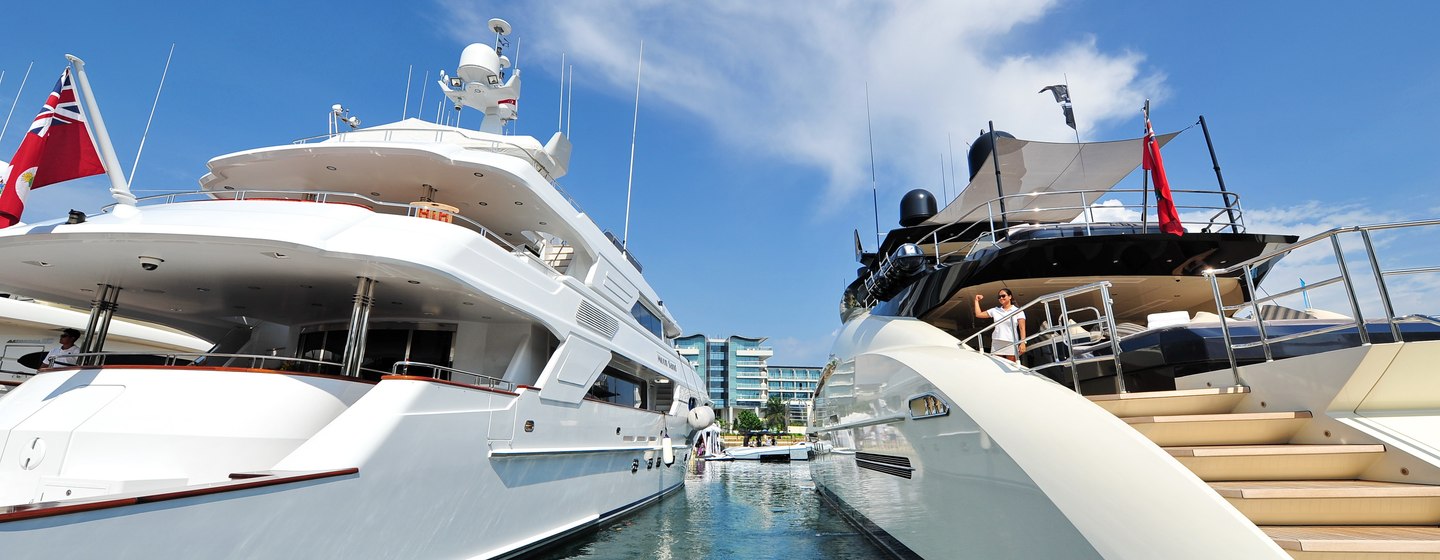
(980, 151)
(479, 63)
(916, 207)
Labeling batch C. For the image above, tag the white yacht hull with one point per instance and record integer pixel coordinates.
(1007, 465)
(422, 488)
(796, 452)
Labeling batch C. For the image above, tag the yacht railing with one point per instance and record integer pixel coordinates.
(209, 359)
(1344, 278)
(1060, 317)
(324, 197)
(443, 373)
(991, 226)
(430, 135)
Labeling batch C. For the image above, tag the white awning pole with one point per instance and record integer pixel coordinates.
(118, 187)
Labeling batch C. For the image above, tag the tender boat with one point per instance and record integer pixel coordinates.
(794, 452)
(1165, 407)
(424, 349)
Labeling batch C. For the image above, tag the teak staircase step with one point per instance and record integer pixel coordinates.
(1325, 543)
(1333, 502)
(1215, 400)
(1277, 462)
(1249, 428)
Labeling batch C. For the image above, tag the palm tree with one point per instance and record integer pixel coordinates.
(777, 414)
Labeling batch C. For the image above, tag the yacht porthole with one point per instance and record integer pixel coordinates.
(373, 193)
(529, 425)
(396, 303)
(484, 203)
(508, 234)
(617, 430)
(413, 281)
(544, 224)
(330, 167)
(202, 289)
(228, 188)
(467, 303)
(518, 203)
(479, 174)
(635, 466)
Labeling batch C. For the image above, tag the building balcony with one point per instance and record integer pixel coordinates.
(758, 351)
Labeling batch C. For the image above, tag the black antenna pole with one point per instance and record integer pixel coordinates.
(995, 156)
(1218, 177)
(874, 190)
(1145, 181)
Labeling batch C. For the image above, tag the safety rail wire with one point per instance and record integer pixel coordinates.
(310, 196)
(439, 136)
(252, 361)
(1059, 328)
(1344, 278)
(437, 370)
(989, 228)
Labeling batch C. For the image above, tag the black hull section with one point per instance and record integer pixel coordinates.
(1071, 253)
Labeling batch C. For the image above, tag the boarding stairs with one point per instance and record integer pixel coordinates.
(1309, 498)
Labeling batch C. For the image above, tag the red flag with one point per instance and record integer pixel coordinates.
(1164, 204)
(56, 148)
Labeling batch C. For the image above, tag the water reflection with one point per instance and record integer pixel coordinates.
(737, 509)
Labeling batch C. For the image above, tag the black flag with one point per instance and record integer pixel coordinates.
(1062, 96)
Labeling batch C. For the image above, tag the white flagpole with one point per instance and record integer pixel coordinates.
(118, 187)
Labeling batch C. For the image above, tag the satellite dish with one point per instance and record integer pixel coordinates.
(504, 61)
(499, 26)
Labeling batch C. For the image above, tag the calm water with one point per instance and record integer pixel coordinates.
(736, 509)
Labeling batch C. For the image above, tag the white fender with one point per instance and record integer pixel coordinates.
(701, 417)
(667, 452)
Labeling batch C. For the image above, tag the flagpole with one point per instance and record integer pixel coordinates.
(118, 187)
(1145, 182)
(1224, 197)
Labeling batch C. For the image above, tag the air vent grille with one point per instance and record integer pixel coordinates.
(888, 464)
(597, 320)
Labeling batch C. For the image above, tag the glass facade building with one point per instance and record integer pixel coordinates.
(736, 371)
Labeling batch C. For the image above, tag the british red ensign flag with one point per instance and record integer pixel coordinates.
(1164, 204)
(57, 148)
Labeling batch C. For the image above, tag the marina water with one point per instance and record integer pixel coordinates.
(737, 509)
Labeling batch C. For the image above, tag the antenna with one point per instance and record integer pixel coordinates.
(634, 127)
(874, 190)
(16, 100)
(560, 111)
(153, 106)
(409, 75)
(569, 99)
(942, 176)
(421, 106)
(950, 138)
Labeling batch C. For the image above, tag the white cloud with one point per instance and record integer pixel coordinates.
(787, 80)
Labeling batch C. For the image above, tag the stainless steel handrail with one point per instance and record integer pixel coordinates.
(436, 370)
(322, 197)
(171, 359)
(1061, 326)
(1357, 320)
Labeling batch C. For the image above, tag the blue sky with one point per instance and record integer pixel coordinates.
(752, 162)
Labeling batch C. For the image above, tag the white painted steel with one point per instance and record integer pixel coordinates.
(1020, 467)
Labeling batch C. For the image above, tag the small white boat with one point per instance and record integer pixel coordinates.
(796, 452)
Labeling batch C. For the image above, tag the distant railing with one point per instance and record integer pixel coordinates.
(1344, 278)
(324, 197)
(419, 135)
(991, 226)
(448, 374)
(208, 359)
(1058, 320)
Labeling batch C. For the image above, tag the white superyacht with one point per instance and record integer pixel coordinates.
(424, 350)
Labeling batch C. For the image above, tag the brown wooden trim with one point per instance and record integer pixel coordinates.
(11, 383)
(453, 383)
(531, 387)
(228, 369)
(279, 199)
(51, 509)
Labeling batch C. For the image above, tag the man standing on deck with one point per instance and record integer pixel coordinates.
(60, 355)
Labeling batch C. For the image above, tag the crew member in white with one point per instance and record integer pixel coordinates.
(60, 356)
(1009, 325)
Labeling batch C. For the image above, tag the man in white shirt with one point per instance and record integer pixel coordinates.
(61, 355)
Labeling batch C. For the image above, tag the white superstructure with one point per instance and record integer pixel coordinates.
(425, 350)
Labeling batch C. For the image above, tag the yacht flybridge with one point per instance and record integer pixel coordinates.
(422, 348)
(1165, 407)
